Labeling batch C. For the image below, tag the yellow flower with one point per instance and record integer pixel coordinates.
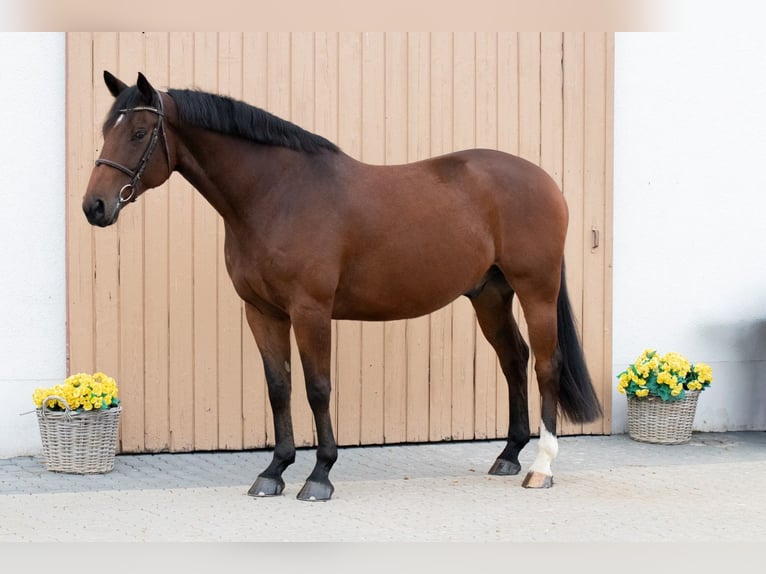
(704, 372)
(665, 378)
(81, 391)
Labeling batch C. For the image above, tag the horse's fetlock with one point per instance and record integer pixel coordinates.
(284, 454)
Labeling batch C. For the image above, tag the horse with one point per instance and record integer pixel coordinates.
(312, 234)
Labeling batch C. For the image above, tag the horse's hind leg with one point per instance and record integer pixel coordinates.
(538, 299)
(493, 311)
(272, 335)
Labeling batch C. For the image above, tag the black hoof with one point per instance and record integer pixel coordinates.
(504, 467)
(314, 491)
(265, 486)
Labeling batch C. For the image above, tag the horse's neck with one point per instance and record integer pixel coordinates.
(231, 174)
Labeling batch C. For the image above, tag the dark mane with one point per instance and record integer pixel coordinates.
(227, 115)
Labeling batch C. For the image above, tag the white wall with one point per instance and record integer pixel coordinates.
(690, 214)
(32, 235)
(689, 219)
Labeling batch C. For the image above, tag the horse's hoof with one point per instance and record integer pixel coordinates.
(537, 480)
(504, 467)
(314, 491)
(266, 486)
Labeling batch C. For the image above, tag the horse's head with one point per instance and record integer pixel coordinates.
(128, 165)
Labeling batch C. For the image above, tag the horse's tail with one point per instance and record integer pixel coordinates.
(577, 397)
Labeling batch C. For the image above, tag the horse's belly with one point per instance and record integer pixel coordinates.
(405, 292)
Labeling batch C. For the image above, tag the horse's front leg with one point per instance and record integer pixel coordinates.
(313, 334)
(272, 335)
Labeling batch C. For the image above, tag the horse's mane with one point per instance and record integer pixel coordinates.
(229, 116)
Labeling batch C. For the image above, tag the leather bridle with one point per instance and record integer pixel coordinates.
(135, 174)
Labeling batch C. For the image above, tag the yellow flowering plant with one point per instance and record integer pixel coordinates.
(82, 392)
(668, 376)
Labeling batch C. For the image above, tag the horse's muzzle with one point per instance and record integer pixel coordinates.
(96, 212)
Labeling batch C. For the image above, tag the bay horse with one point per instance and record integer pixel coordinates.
(314, 235)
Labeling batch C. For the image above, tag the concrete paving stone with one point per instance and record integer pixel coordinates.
(608, 489)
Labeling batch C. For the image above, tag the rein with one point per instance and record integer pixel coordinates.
(135, 174)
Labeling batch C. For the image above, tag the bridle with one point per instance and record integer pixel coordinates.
(135, 174)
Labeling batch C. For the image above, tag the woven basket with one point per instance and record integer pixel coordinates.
(78, 443)
(664, 422)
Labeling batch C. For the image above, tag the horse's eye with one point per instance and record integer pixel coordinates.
(139, 135)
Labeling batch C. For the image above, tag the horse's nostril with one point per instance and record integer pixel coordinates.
(95, 211)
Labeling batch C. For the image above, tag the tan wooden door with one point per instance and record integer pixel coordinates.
(149, 298)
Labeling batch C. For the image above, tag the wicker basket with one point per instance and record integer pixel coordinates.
(663, 422)
(78, 443)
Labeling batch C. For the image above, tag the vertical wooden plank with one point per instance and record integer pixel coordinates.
(180, 272)
(300, 52)
(230, 312)
(487, 97)
(206, 253)
(80, 141)
(156, 344)
(373, 152)
(395, 152)
(256, 425)
(529, 148)
(326, 124)
(418, 331)
(551, 132)
(131, 271)
(574, 169)
(551, 105)
(508, 92)
(349, 333)
(441, 320)
(508, 141)
(463, 319)
(529, 96)
(106, 244)
(595, 137)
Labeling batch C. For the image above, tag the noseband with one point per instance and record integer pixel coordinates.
(135, 174)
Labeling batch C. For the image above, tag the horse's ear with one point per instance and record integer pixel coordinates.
(115, 86)
(146, 89)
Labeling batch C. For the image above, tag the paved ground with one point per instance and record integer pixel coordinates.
(609, 489)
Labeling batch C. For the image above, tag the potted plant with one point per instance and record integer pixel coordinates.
(662, 392)
(78, 422)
